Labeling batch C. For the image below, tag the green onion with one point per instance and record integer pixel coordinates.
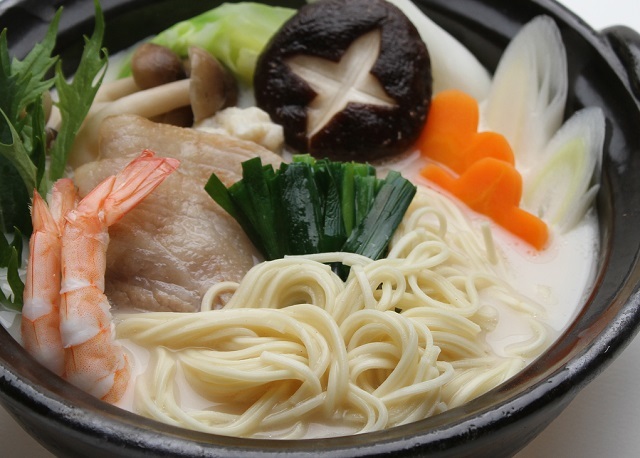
(301, 207)
(315, 206)
(371, 237)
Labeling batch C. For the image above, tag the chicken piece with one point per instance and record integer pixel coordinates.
(166, 252)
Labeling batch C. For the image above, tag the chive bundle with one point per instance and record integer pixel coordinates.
(315, 206)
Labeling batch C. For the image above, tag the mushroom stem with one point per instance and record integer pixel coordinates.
(155, 90)
(114, 90)
(148, 103)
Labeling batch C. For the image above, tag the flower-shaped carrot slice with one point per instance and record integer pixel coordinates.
(487, 180)
(451, 137)
(493, 188)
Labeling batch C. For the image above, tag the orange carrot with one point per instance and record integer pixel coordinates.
(493, 188)
(487, 180)
(451, 137)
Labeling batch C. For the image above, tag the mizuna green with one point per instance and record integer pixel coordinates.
(26, 161)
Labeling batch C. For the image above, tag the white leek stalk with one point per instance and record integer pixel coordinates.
(563, 183)
(527, 98)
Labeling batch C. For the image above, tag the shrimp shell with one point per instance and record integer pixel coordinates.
(94, 361)
(40, 326)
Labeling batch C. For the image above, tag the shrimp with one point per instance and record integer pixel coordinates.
(40, 326)
(93, 360)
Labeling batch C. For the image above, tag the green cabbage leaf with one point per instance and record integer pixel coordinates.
(235, 33)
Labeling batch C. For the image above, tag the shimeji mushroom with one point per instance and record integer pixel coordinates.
(207, 89)
(347, 79)
(208, 99)
(153, 65)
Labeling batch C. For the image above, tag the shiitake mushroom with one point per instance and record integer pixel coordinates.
(347, 79)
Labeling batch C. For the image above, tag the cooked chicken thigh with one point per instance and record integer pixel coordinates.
(166, 252)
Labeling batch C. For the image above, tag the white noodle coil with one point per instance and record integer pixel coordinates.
(403, 338)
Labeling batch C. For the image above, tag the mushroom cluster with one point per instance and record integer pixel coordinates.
(162, 88)
(347, 79)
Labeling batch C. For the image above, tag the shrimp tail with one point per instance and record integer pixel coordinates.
(116, 195)
(64, 197)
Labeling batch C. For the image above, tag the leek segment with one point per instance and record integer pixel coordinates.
(564, 184)
(560, 163)
(529, 91)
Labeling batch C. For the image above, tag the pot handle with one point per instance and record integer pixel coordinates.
(625, 42)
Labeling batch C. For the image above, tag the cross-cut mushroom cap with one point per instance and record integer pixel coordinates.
(347, 79)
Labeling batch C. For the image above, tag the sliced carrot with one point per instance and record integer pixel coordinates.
(452, 121)
(488, 144)
(493, 188)
(487, 180)
(451, 137)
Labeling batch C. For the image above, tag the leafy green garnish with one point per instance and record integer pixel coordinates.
(22, 125)
(21, 86)
(25, 163)
(24, 81)
(10, 256)
(76, 97)
(315, 206)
